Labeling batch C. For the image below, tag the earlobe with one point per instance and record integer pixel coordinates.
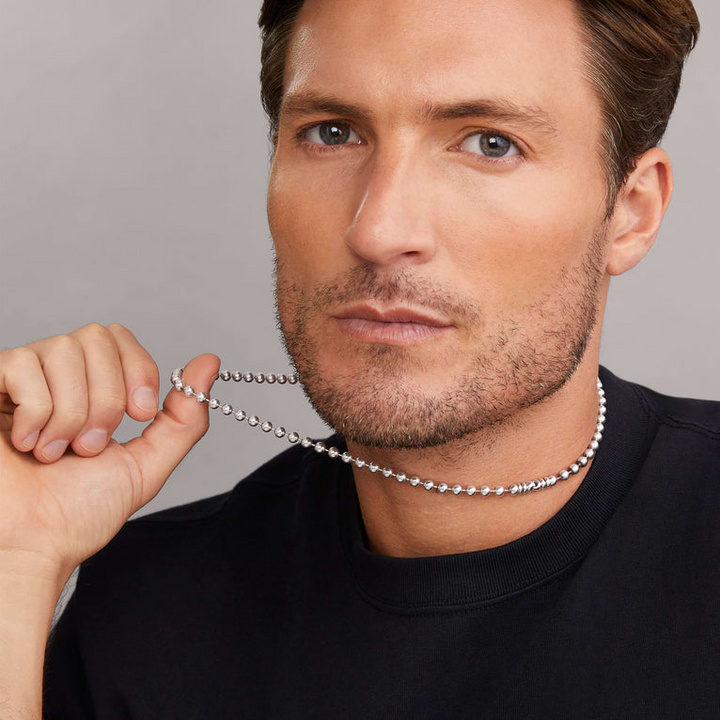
(639, 211)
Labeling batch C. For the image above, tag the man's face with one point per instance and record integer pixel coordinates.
(436, 203)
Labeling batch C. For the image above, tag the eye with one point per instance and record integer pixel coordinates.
(488, 144)
(332, 133)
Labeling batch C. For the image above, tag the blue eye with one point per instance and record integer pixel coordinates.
(490, 145)
(332, 133)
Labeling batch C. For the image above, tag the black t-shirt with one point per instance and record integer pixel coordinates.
(265, 602)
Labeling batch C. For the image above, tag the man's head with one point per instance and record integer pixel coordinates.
(438, 162)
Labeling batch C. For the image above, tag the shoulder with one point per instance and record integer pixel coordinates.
(681, 461)
(669, 518)
(694, 415)
(680, 442)
(245, 527)
(178, 584)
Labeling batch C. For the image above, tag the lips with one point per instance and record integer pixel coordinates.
(393, 315)
(393, 326)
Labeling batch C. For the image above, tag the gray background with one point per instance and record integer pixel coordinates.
(133, 168)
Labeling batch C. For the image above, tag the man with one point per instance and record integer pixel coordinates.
(453, 186)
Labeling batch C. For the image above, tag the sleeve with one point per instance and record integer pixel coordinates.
(66, 693)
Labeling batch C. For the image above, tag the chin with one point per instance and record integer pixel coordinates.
(383, 401)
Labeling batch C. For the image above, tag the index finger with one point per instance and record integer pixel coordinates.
(140, 373)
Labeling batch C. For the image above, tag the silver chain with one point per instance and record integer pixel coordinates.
(346, 457)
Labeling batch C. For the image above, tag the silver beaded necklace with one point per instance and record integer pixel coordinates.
(346, 457)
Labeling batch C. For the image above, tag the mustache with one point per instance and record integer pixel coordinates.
(401, 286)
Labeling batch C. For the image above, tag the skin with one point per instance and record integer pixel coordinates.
(59, 510)
(514, 258)
(409, 213)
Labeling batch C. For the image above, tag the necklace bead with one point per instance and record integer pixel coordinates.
(333, 452)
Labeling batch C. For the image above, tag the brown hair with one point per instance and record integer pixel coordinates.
(635, 51)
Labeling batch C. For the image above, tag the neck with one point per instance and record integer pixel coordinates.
(404, 521)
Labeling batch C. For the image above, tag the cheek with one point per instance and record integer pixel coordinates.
(290, 226)
(518, 242)
(308, 215)
(302, 221)
(284, 209)
(306, 219)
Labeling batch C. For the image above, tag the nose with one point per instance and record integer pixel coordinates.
(393, 221)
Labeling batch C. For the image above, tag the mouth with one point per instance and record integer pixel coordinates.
(391, 326)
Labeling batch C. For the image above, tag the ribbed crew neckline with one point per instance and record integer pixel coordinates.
(487, 575)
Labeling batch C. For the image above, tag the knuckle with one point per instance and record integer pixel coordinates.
(148, 370)
(118, 328)
(41, 411)
(77, 408)
(73, 417)
(109, 407)
(70, 408)
(20, 358)
(33, 416)
(96, 334)
(93, 330)
(63, 345)
(76, 387)
(65, 423)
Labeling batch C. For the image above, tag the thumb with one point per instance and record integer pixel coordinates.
(175, 429)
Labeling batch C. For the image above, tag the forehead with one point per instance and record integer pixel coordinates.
(408, 51)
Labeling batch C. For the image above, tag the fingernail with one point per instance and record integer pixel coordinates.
(146, 399)
(94, 440)
(54, 450)
(30, 440)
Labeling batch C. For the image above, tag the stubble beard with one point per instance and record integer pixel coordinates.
(379, 406)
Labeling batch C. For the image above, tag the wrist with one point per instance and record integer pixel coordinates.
(30, 587)
(29, 590)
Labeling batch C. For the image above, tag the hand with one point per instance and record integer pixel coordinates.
(66, 488)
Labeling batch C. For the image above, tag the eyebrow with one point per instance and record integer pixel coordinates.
(500, 110)
(493, 109)
(312, 104)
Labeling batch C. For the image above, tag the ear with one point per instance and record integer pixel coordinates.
(639, 210)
